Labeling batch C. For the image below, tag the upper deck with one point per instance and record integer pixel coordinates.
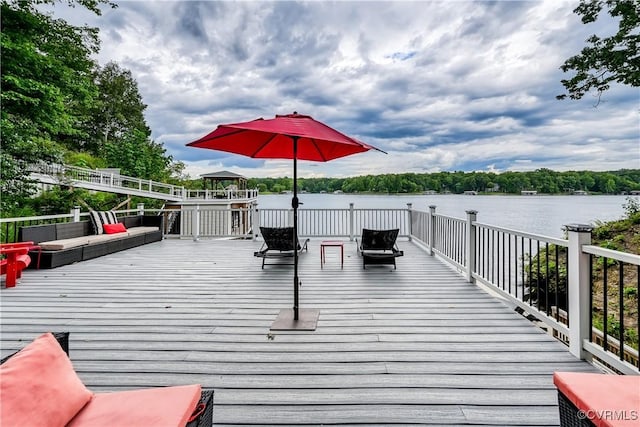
(418, 345)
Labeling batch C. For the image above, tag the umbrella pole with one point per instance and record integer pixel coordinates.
(294, 320)
(294, 204)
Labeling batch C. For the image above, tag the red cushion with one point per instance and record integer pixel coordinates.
(163, 406)
(39, 386)
(607, 400)
(114, 228)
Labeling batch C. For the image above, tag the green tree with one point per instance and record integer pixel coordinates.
(46, 88)
(119, 109)
(137, 155)
(615, 58)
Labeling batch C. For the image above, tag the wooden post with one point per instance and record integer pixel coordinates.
(470, 253)
(409, 206)
(432, 228)
(578, 287)
(351, 223)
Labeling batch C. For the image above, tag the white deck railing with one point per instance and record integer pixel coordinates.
(524, 269)
(520, 267)
(103, 180)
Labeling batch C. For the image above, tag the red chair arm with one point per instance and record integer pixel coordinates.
(16, 245)
(16, 251)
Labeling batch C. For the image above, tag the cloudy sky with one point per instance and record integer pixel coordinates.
(440, 85)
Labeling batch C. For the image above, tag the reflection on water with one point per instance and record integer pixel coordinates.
(544, 215)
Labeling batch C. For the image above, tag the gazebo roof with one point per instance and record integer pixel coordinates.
(222, 175)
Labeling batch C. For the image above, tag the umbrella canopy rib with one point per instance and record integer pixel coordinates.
(262, 146)
(315, 145)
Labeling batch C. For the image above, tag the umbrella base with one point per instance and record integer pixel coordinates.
(307, 320)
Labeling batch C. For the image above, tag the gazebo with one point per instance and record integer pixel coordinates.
(224, 180)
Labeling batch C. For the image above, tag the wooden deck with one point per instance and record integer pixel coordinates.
(417, 345)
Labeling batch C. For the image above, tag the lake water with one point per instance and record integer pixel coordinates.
(538, 214)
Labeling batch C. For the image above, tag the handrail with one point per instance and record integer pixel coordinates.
(524, 269)
(99, 180)
(611, 254)
(105, 181)
(521, 267)
(540, 237)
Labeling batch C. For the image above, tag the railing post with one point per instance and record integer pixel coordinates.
(140, 209)
(578, 287)
(409, 206)
(351, 222)
(111, 180)
(432, 228)
(196, 224)
(255, 220)
(76, 213)
(470, 250)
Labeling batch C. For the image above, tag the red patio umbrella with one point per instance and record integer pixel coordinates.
(292, 136)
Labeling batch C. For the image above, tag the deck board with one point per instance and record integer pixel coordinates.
(412, 346)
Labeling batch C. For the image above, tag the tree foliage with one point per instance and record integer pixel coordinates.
(119, 108)
(45, 83)
(59, 105)
(542, 180)
(615, 58)
(46, 89)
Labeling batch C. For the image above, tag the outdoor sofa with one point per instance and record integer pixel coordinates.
(39, 387)
(69, 242)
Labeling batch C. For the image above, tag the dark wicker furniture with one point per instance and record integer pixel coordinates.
(570, 416)
(378, 247)
(278, 243)
(588, 399)
(67, 230)
(205, 419)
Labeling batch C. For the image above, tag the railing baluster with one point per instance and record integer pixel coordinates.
(509, 269)
(591, 290)
(557, 277)
(523, 269)
(605, 323)
(538, 275)
(621, 307)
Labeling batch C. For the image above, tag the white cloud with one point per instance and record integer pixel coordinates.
(463, 85)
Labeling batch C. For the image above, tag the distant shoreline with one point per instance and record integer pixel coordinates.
(372, 193)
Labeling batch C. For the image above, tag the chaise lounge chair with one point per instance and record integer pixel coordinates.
(379, 247)
(278, 243)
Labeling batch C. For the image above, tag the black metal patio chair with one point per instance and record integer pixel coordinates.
(278, 243)
(378, 247)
